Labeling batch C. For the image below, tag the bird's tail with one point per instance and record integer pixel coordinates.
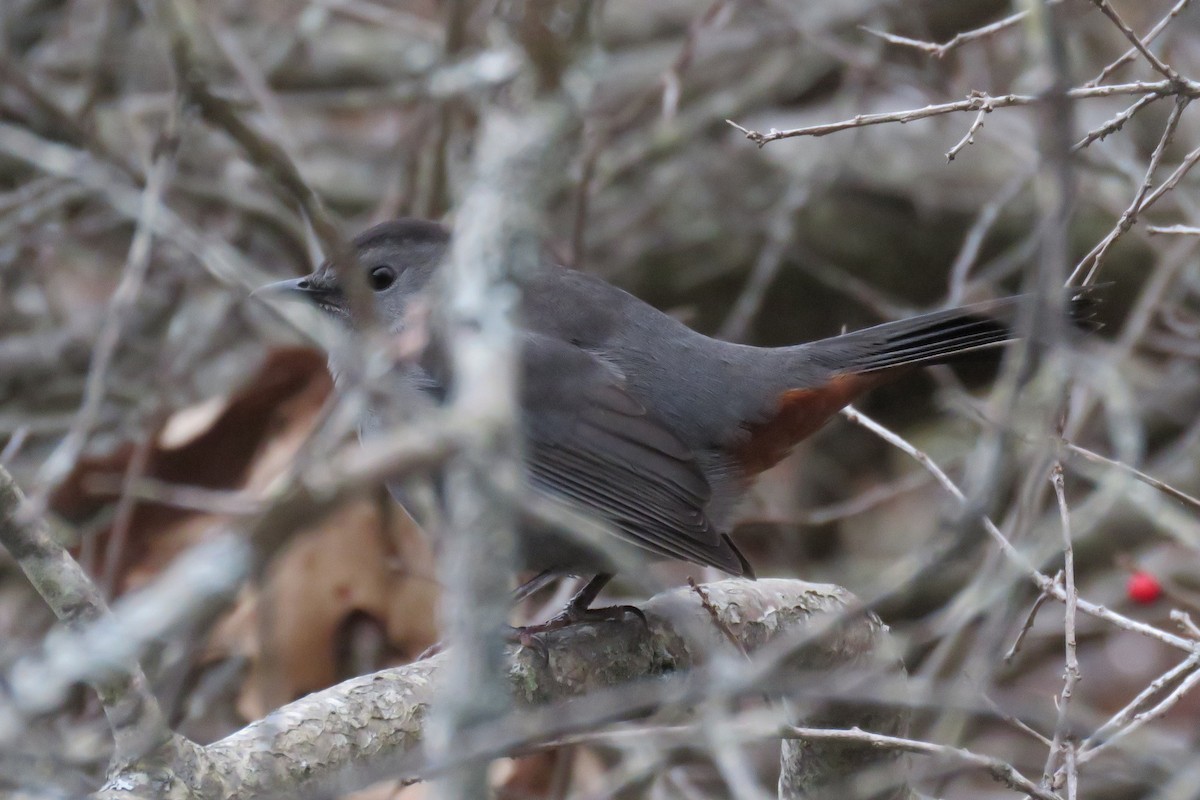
(935, 337)
(821, 377)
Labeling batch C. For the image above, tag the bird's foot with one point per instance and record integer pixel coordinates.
(530, 636)
(573, 615)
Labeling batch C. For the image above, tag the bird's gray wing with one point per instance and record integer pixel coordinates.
(591, 442)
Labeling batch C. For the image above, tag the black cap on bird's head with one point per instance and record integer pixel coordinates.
(398, 259)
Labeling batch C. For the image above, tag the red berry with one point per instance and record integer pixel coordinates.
(1143, 588)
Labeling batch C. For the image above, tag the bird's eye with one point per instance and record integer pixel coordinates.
(382, 278)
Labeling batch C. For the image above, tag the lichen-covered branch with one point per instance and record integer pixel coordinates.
(374, 726)
(132, 712)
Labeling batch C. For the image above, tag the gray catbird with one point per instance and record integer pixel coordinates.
(656, 429)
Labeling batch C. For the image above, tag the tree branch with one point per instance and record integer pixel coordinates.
(374, 726)
(132, 711)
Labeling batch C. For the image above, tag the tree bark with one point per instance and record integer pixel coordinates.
(373, 727)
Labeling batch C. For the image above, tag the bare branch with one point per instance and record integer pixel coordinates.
(1174, 230)
(1116, 123)
(1143, 199)
(1132, 52)
(204, 578)
(1062, 748)
(63, 459)
(968, 137)
(957, 41)
(976, 101)
(1167, 71)
(1138, 711)
(1000, 770)
(1028, 624)
(1040, 579)
(1149, 480)
(271, 160)
(133, 714)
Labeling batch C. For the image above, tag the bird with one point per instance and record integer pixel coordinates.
(629, 415)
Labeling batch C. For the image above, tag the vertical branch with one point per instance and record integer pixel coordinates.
(1062, 748)
(1041, 320)
(1054, 183)
(520, 160)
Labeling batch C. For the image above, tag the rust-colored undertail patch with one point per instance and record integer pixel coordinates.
(799, 413)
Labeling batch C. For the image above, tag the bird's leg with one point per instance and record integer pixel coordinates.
(520, 593)
(534, 584)
(580, 610)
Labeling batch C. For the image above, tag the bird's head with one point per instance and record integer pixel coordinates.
(398, 258)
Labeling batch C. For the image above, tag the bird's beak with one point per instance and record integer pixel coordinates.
(295, 289)
(323, 297)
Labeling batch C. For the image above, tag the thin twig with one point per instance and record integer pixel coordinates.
(770, 258)
(204, 576)
(861, 502)
(600, 132)
(1132, 52)
(1016, 723)
(1061, 747)
(969, 137)
(1141, 718)
(1170, 183)
(118, 534)
(1173, 230)
(1149, 480)
(1141, 200)
(1186, 623)
(1165, 69)
(968, 253)
(1116, 123)
(957, 41)
(1040, 579)
(1136, 711)
(1072, 768)
(1029, 620)
(62, 460)
(976, 101)
(271, 160)
(1000, 770)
